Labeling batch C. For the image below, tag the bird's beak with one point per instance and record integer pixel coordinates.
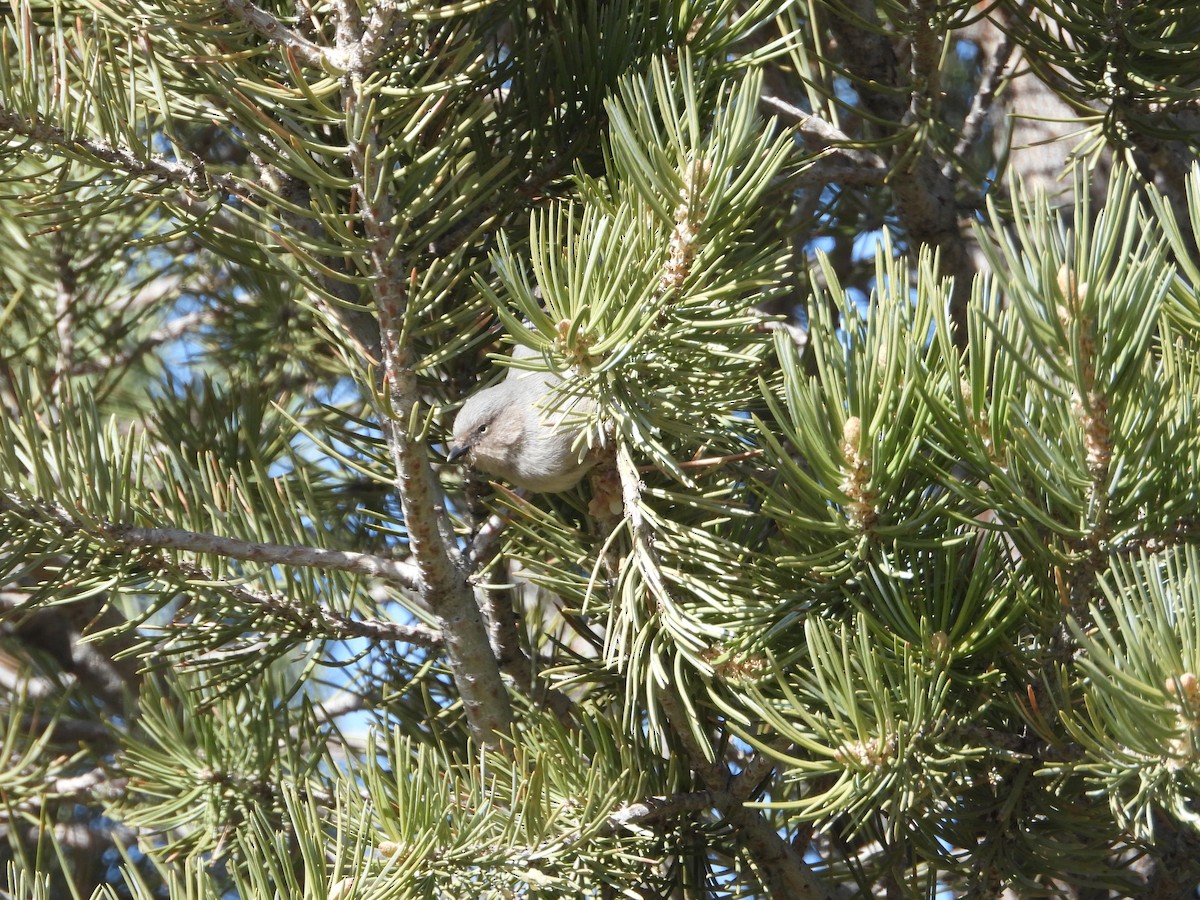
(456, 452)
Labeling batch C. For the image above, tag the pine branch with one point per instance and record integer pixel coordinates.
(431, 537)
(325, 621)
(649, 811)
(340, 704)
(446, 590)
(924, 194)
(656, 809)
(130, 538)
(346, 314)
(782, 866)
(926, 58)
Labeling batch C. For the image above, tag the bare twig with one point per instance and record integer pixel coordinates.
(324, 621)
(267, 25)
(275, 554)
(332, 623)
(194, 178)
(855, 164)
(486, 542)
(781, 866)
(651, 811)
(705, 462)
(340, 704)
(655, 809)
(981, 103)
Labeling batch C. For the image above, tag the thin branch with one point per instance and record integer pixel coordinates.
(981, 103)
(328, 622)
(649, 811)
(781, 866)
(854, 164)
(656, 809)
(275, 554)
(194, 178)
(752, 774)
(707, 462)
(320, 619)
(822, 170)
(174, 329)
(93, 787)
(341, 704)
(267, 25)
(486, 543)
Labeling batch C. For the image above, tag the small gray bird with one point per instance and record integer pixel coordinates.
(516, 431)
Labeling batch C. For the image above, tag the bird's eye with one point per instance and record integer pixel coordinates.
(482, 429)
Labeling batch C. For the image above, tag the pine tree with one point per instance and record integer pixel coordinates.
(885, 580)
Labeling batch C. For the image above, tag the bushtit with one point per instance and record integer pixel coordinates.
(518, 431)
